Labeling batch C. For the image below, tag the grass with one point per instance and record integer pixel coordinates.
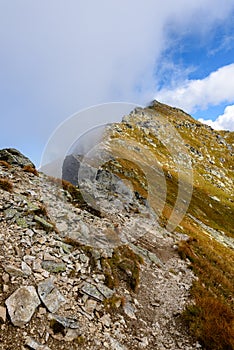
(210, 320)
(5, 164)
(124, 265)
(6, 185)
(219, 216)
(210, 316)
(113, 303)
(31, 170)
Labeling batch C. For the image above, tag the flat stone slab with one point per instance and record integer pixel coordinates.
(45, 224)
(50, 295)
(92, 291)
(22, 304)
(66, 322)
(106, 292)
(53, 267)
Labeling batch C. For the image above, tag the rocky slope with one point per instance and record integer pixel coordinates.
(108, 272)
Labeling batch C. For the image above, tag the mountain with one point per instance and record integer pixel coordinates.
(134, 251)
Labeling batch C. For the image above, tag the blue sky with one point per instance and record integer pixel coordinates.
(58, 57)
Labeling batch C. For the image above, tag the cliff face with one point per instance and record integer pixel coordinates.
(139, 256)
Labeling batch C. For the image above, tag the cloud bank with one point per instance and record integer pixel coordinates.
(59, 57)
(192, 95)
(223, 122)
(199, 94)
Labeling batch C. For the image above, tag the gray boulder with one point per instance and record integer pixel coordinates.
(50, 295)
(22, 304)
(70, 169)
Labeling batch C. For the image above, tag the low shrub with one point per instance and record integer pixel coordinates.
(124, 265)
(6, 185)
(5, 164)
(30, 169)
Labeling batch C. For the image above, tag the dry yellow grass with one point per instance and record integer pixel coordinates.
(6, 185)
(5, 164)
(124, 265)
(210, 317)
(30, 169)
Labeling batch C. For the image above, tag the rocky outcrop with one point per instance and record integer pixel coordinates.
(14, 157)
(70, 168)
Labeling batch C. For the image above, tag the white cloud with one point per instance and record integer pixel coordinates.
(81, 53)
(222, 122)
(58, 57)
(191, 95)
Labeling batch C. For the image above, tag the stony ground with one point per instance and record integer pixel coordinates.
(73, 276)
(53, 288)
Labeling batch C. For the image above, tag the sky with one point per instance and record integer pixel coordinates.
(58, 57)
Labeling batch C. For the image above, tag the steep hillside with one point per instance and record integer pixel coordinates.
(139, 255)
(202, 156)
(209, 218)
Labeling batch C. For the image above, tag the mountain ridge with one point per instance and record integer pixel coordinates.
(121, 279)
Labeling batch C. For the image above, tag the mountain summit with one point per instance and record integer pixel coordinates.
(135, 251)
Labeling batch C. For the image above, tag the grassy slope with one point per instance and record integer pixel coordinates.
(210, 316)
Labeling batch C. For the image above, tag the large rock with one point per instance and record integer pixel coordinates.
(15, 157)
(70, 169)
(22, 304)
(50, 295)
